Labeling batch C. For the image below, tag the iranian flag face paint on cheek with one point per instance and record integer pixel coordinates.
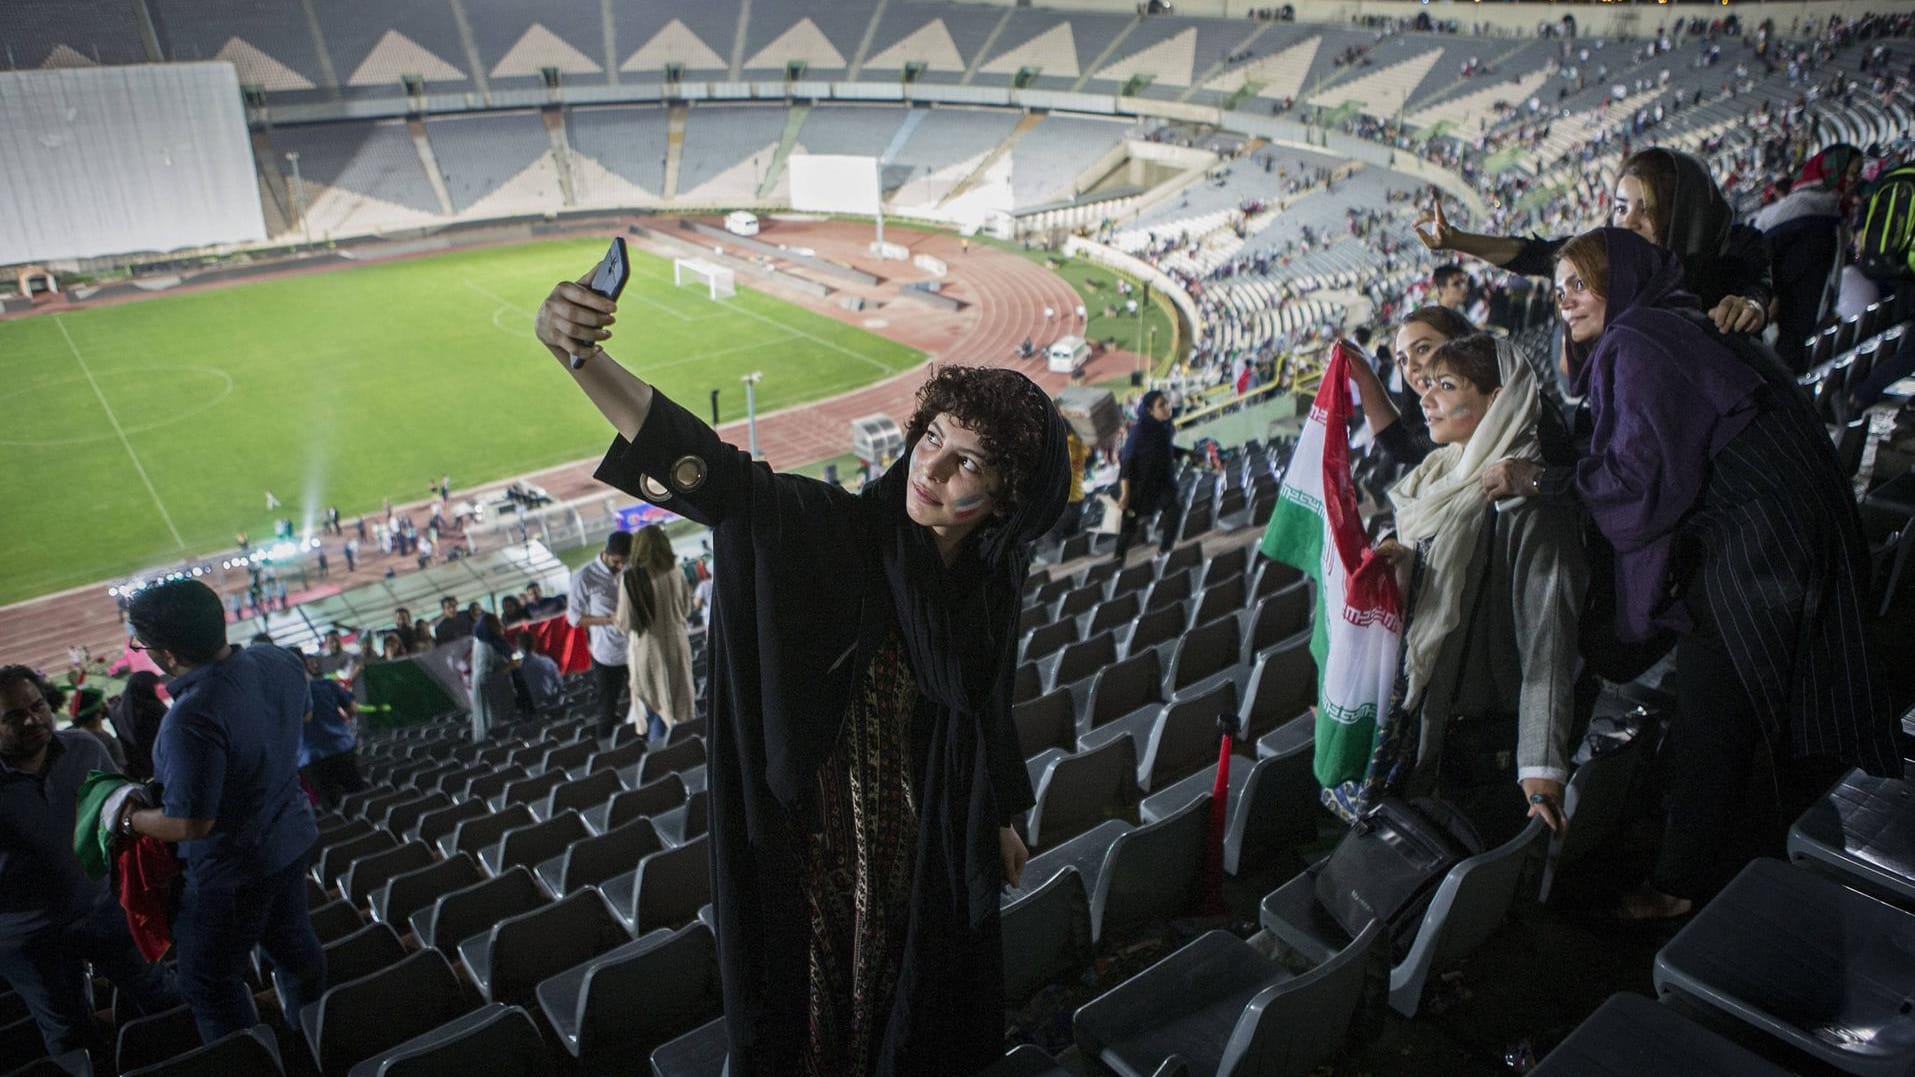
(967, 508)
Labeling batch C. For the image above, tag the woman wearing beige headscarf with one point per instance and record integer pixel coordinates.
(653, 603)
(1494, 592)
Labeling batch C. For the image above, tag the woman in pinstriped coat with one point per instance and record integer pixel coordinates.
(1735, 530)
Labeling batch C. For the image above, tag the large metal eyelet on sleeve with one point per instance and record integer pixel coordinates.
(652, 490)
(687, 474)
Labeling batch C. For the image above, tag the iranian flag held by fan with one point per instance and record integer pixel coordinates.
(1358, 627)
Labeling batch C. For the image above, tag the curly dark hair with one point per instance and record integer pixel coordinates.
(995, 404)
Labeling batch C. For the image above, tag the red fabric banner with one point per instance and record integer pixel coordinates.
(564, 643)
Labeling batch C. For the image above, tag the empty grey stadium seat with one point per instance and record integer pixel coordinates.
(1151, 873)
(1221, 598)
(1170, 590)
(1123, 688)
(671, 758)
(1204, 651)
(1184, 737)
(532, 845)
(508, 962)
(566, 756)
(474, 834)
(402, 817)
(667, 890)
(1862, 831)
(702, 1052)
(623, 1004)
(1046, 639)
(529, 790)
(1078, 791)
(407, 893)
(1047, 935)
(1226, 1009)
(1177, 794)
(1080, 660)
(1279, 617)
(496, 1040)
(362, 953)
(676, 826)
(1156, 627)
(1112, 614)
(487, 786)
(647, 800)
(1049, 721)
(334, 920)
(370, 872)
(1273, 576)
(1630, 1034)
(579, 794)
(1277, 809)
(1469, 905)
(436, 824)
(1283, 684)
(590, 861)
(457, 916)
(1186, 557)
(358, 1019)
(1802, 958)
(333, 862)
(251, 1051)
(1133, 580)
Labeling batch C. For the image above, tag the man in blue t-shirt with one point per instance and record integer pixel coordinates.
(227, 758)
(327, 747)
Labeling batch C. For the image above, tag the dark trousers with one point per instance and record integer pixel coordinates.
(335, 776)
(1134, 522)
(48, 971)
(215, 931)
(611, 682)
(1728, 796)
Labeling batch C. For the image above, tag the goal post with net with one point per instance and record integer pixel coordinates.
(717, 279)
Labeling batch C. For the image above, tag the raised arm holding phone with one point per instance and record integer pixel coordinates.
(863, 768)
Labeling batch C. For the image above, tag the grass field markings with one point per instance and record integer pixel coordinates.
(55, 443)
(702, 356)
(124, 441)
(842, 350)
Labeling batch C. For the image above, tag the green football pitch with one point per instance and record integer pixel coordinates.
(146, 432)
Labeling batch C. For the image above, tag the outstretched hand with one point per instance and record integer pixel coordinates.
(1432, 227)
(574, 320)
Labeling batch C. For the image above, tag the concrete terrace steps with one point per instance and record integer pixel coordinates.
(674, 150)
(1024, 125)
(794, 121)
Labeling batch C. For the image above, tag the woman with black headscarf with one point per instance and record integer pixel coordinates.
(1735, 531)
(863, 768)
(1147, 474)
(136, 714)
(1668, 198)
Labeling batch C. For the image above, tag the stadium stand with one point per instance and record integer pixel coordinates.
(524, 899)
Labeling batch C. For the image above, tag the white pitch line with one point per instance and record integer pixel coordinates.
(816, 340)
(117, 429)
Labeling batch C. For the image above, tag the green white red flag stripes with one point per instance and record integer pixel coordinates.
(1357, 634)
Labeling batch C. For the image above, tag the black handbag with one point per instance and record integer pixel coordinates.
(1390, 863)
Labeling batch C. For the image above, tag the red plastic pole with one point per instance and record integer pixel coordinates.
(1219, 819)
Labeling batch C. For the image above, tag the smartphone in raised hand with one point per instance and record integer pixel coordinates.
(613, 270)
(609, 280)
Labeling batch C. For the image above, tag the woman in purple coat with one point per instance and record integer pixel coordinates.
(1735, 531)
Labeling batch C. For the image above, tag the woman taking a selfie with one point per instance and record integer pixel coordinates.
(863, 766)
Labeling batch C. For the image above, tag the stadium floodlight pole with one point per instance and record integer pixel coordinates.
(751, 409)
(879, 205)
(299, 196)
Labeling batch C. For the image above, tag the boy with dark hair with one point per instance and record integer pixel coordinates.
(227, 759)
(1449, 287)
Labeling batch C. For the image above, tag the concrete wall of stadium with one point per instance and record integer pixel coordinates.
(1515, 20)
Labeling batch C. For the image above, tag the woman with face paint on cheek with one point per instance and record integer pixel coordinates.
(862, 767)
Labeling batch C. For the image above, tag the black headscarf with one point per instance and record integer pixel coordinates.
(1698, 217)
(958, 623)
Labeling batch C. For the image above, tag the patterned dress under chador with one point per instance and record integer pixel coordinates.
(857, 870)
